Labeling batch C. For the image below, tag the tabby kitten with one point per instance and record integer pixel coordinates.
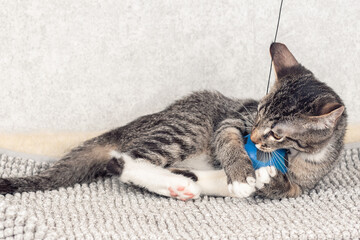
(164, 151)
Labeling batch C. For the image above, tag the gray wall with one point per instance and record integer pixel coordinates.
(94, 65)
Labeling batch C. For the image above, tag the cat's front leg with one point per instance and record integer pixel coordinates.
(228, 148)
(273, 184)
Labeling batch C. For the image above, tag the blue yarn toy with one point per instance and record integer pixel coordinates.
(261, 159)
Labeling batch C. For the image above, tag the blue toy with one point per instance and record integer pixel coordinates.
(262, 159)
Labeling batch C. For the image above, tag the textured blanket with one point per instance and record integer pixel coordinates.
(108, 209)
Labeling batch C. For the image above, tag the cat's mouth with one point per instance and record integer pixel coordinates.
(263, 148)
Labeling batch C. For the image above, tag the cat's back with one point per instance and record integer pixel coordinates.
(201, 110)
(204, 102)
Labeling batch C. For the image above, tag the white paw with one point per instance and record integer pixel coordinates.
(271, 170)
(242, 190)
(184, 190)
(264, 175)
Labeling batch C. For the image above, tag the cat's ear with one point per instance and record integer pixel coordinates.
(282, 59)
(327, 115)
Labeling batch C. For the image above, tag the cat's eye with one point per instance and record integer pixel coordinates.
(277, 137)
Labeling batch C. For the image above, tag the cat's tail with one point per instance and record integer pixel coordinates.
(82, 164)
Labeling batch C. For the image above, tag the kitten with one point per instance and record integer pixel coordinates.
(161, 151)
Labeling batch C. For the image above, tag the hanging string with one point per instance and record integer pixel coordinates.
(277, 28)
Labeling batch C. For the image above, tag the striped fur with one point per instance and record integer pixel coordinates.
(300, 113)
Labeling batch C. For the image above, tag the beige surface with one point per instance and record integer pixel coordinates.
(52, 144)
(353, 133)
(55, 144)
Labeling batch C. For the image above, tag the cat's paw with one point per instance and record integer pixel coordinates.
(178, 187)
(241, 178)
(184, 191)
(242, 190)
(264, 175)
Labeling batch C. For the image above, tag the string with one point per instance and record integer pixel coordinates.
(277, 28)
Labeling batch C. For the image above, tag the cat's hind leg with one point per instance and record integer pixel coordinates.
(154, 178)
(211, 182)
(214, 183)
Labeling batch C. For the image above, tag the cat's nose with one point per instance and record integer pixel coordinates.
(255, 136)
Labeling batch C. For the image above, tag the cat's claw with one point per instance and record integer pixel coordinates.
(264, 175)
(243, 190)
(184, 193)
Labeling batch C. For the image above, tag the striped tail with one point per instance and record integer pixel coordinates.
(82, 164)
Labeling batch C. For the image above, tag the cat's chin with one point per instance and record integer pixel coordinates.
(259, 147)
(267, 150)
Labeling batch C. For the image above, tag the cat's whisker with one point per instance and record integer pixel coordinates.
(286, 168)
(271, 160)
(278, 161)
(286, 160)
(256, 165)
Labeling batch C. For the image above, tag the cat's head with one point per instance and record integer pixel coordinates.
(300, 112)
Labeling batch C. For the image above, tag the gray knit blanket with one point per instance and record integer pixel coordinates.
(108, 209)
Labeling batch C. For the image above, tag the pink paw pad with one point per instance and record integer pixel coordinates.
(172, 193)
(189, 194)
(179, 194)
